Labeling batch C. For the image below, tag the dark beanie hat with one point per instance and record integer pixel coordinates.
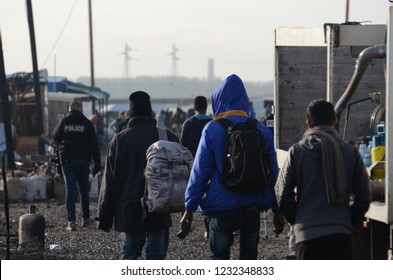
(200, 103)
(140, 104)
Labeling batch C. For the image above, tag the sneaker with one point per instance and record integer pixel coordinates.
(86, 222)
(206, 234)
(71, 226)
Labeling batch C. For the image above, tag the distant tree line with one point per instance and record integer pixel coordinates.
(172, 87)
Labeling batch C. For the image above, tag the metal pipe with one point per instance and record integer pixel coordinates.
(347, 11)
(377, 51)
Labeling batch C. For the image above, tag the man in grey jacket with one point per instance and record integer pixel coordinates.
(327, 172)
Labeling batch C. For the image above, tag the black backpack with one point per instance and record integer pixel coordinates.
(246, 163)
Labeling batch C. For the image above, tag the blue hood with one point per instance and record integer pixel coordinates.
(229, 98)
(230, 95)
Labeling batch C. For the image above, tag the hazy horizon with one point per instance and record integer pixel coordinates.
(237, 34)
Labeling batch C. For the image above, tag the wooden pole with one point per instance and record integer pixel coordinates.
(37, 88)
(6, 111)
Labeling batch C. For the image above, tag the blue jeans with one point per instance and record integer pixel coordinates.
(131, 245)
(76, 172)
(224, 224)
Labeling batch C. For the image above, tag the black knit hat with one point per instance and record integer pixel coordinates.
(200, 103)
(140, 104)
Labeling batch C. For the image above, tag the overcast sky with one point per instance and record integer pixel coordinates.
(237, 34)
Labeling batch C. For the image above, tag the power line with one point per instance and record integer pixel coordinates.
(60, 34)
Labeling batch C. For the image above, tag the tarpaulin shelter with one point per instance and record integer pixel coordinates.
(61, 91)
(62, 84)
(55, 93)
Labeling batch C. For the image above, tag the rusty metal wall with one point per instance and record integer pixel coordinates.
(301, 74)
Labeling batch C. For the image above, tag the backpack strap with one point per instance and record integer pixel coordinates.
(162, 134)
(224, 122)
(252, 122)
(227, 123)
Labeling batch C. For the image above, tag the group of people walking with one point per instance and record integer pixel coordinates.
(321, 190)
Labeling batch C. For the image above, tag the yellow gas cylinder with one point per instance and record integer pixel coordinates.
(378, 153)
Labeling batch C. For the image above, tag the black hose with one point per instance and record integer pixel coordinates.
(377, 51)
(348, 106)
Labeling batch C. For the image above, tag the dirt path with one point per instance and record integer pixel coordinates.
(92, 244)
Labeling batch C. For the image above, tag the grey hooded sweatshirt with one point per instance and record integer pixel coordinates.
(302, 196)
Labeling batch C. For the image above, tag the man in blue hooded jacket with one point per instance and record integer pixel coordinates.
(229, 211)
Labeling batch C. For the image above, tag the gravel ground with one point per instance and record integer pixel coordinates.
(93, 244)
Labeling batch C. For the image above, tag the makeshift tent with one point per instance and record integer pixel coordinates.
(61, 84)
(56, 93)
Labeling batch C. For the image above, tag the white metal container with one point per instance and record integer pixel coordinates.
(39, 187)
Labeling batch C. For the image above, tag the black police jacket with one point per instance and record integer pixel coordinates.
(76, 138)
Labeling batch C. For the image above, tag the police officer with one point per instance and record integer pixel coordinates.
(76, 140)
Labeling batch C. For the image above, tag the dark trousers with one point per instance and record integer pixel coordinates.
(330, 247)
(76, 173)
(224, 224)
(132, 244)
